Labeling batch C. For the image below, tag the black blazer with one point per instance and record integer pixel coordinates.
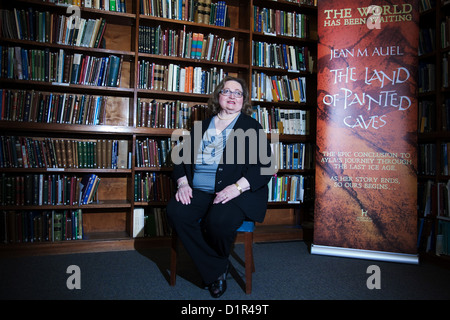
(246, 162)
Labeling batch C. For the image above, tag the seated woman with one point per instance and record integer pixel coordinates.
(222, 183)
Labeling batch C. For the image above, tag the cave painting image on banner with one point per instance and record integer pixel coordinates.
(366, 156)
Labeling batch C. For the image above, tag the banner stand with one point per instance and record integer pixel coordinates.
(366, 130)
(365, 254)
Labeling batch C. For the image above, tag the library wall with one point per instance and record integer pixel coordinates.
(97, 103)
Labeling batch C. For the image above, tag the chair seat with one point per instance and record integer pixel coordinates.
(247, 226)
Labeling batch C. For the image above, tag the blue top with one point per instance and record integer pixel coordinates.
(209, 155)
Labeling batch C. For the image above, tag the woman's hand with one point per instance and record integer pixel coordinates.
(228, 193)
(184, 191)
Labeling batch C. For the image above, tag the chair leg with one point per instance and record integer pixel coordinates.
(173, 258)
(249, 263)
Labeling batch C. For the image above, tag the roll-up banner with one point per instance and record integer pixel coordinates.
(366, 156)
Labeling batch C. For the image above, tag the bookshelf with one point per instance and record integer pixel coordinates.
(104, 107)
(434, 98)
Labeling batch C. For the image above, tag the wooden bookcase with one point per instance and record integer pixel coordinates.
(124, 125)
(434, 134)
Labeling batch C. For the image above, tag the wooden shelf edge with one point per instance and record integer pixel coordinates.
(80, 246)
(270, 233)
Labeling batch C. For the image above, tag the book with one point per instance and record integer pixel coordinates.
(138, 222)
(113, 71)
(122, 156)
(88, 187)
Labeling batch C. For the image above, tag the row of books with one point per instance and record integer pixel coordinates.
(89, 186)
(169, 114)
(425, 5)
(445, 70)
(150, 222)
(277, 22)
(428, 112)
(47, 107)
(177, 78)
(199, 11)
(191, 45)
(434, 201)
(43, 65)
(445, 33)
(307, 2)
(40, 226)
(94, 71)
(427, 159)
(39, 189)
(445, 159)
(443, 238)
(426, 40)
(108, 5)
(290, 188)
(426, 235)
(443, 199)
(445, 115)
(52, 107)
(427, 116)
(280, 56)
(278, 88)
(48, 189)
(295, 156)
(49, 27)
(151, 153)
(427, 76)
(283, 121)
(52, 153)
(58, 189)
(152, 186)
(427, 192)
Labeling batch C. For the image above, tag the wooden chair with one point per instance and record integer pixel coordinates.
(247, 228)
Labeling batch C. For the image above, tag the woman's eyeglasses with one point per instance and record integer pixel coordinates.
(228, 92)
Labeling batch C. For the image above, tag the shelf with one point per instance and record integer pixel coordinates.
(103, 204)
(198, 62)
(193, 25)
(120, 241)
(100, 242)
(121, 38)
(67, 87)
(128, 55)
(171, 95)
(65, 128)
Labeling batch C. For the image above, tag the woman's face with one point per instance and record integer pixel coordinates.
(231, 103)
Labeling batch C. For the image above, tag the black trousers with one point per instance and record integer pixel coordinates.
(206, 230)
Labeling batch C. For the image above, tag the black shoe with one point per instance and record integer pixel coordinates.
(218, 287)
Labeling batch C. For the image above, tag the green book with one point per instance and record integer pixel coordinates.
(57, 226)
(112, 5)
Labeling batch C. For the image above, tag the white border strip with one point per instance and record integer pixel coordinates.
(365, 254)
